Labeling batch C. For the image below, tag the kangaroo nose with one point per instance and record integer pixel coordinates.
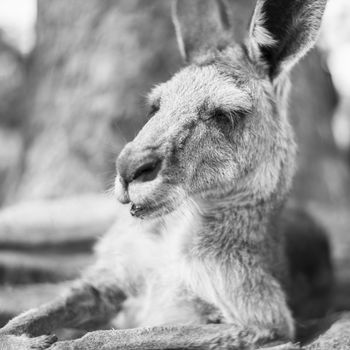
(147, 171)
(143, 169)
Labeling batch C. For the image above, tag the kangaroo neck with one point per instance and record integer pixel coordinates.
(239, 219)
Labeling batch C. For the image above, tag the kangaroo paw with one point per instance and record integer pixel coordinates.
(23, 342)
(42, 342)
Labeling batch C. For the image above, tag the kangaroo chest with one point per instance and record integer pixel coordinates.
(166, 282)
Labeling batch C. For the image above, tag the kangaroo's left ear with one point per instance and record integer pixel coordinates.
(282, 31)
(202, 25)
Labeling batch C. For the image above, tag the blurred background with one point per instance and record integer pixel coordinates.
(73, 77)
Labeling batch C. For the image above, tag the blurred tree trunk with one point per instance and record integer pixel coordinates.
(12, 77)
(93, 63)
(323, 172)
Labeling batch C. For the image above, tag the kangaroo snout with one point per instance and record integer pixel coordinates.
(135, 165)
(143, 180)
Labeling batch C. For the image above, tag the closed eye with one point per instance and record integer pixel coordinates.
(226, 116)
(221, 115)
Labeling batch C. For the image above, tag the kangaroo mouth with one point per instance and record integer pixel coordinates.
(151, 211)
(150, 199)
(142, 211)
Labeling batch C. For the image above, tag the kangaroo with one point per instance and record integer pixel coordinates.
(199, 260)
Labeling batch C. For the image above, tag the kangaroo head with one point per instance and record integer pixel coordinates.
(219, 125)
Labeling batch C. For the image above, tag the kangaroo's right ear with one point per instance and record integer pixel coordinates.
(282, 31)
(205, 24)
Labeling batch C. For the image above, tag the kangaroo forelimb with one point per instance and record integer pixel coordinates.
(82, 304)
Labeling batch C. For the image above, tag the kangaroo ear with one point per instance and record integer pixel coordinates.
(282, 31)
(202, 25)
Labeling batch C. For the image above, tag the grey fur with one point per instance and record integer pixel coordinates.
(209, 249)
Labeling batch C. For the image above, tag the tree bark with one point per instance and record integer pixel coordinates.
(323, 172)
(94, 62)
